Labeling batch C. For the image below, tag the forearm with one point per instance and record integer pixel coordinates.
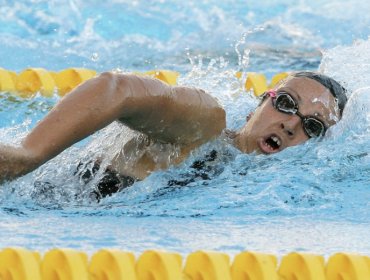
(76, 116)
(88, 108)
(14, 162)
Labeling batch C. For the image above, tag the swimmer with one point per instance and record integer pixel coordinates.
(302, 106)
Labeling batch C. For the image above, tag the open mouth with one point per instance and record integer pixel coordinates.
(270, 144)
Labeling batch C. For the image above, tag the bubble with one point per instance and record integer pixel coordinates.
(95, 57)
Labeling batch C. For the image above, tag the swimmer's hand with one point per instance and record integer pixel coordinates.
(178, 115)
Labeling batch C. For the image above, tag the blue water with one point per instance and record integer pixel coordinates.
(311, 198)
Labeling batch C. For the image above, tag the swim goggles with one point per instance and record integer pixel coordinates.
(285, 103)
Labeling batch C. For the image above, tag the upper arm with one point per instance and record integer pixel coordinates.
(181, 115)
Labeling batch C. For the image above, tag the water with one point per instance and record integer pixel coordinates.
(310, 198)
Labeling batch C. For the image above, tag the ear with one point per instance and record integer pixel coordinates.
(250, 116)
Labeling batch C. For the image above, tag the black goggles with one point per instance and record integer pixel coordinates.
(285, 103)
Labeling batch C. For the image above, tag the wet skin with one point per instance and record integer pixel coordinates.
(179, 116)
(313, 100)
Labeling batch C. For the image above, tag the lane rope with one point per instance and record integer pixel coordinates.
(106, 264)
(31, 81)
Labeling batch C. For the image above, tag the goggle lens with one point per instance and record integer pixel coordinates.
(313, 127)
(286, 104)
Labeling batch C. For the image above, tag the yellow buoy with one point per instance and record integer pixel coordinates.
(169, 77)
(277, 78)
(256, 266)
(112, 265)
(297, 266)
(207, 266)
(34, 80)
(64, 264)
(155, 265)
(19, 264)
(68, 79)
(257, 82)
(8, 80)
(347, 266)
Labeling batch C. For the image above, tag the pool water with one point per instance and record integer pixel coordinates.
(310, 198)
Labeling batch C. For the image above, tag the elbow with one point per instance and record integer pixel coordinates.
(118, 87)
(114, 82)
(112, 91)
(108, 80)
(108, 76)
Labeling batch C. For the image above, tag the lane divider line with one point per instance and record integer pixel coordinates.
(106, 264)
(32, 81)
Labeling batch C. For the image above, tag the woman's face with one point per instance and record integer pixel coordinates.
(270, 131)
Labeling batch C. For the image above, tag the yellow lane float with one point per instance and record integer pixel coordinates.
(67, 264)
(8, 80)
(17, 264)
(348, 266)
(250, 265)
(31, 81)
(68, 79)
(112, 264)
(208, 266)
(159, 265)
(302, 266)
(34, 80)
(169, 77)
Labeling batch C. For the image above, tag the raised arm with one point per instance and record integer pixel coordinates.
(180, 115)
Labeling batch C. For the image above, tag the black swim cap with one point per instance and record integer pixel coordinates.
(335, 88)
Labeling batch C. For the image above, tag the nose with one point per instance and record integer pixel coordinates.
(291, 125)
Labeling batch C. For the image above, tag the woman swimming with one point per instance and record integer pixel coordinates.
(303, 106)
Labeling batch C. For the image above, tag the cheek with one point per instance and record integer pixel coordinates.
(252, 126)
(300, 138)
(262, 113)
(266, 117)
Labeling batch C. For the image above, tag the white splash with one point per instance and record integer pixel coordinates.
(325, 101)
(350, 65)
